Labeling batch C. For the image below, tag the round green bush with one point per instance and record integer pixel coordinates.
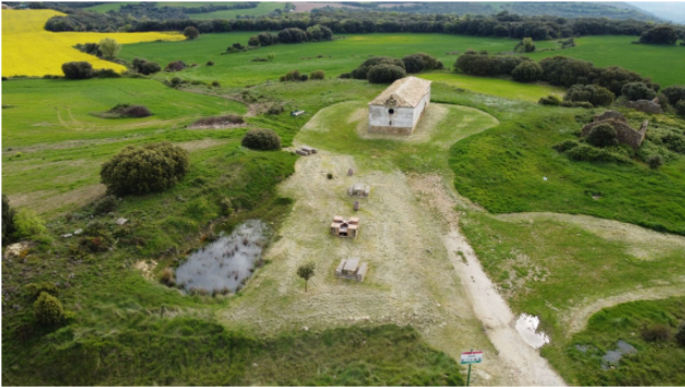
(317, 75)
(527, 72)
(77, 70)
(602, 135)
(152, 168)
(191, 33)
(680, 108)
(261, 139)
(637, 90)
(385, 73)
(48, 310)
(655, 161)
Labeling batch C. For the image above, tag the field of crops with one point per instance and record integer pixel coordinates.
(27, 49)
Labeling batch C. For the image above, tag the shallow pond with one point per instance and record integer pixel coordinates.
(527, 327)
(223, 266)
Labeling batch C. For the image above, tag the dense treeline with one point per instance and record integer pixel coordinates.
(315, 33)
(558, 71)
(558, 9)
(502, 24)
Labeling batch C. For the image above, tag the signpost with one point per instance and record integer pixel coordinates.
(472, 357)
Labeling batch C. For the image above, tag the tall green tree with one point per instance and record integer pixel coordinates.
(109, 48)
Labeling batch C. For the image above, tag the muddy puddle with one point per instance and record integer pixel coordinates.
(527, 326)
(223, 266)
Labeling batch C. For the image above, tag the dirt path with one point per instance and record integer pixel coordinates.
(577, 318)
(640, 242)
(523, 364)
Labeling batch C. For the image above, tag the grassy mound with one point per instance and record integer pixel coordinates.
(504, 168)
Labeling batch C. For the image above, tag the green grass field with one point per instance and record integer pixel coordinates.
(343, 55)
(656, 62)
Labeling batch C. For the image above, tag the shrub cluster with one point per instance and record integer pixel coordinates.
(634, 91)
(675, 95)
(84, 70)
(145, 67)
(385, 73)
(659, 35)
(175, 66)
(483, 64)
(315, 33)
(294, 76)
(584, 152)
(261, 139)
(563, 71)
(219, 121)
(527, 71)
(8, 226)
(77, 70)
(48, 309)
(106, 205)
(317, 75)
(389, 69)
(415, 63)
(602, 136)
(596, 95)
(125, 110)
(151, 168)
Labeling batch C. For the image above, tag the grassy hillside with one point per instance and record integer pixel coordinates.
(503, 171)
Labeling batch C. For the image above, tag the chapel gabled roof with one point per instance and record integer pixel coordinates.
(406, 92)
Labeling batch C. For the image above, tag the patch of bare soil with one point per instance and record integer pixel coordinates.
(576, 319)
(523, 364)
(640, 242)
(146, 268)
(201, 144)
(49, 200)
(423, 132)
(202, 127)
(410, 280)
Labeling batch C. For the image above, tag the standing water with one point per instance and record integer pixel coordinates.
(225, 264)
(527, 325)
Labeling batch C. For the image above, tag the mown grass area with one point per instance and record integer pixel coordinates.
(48, 111)
(654, 61)
(263, 8)
(655, 363)
(504, 169)
(504, 88)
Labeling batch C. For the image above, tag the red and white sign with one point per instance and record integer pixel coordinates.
(473, 357)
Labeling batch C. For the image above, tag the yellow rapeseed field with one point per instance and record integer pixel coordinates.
(28, 49)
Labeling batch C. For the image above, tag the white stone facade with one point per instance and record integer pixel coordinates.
(400, 107)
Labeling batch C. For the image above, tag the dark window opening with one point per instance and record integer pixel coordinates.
(391, 111)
